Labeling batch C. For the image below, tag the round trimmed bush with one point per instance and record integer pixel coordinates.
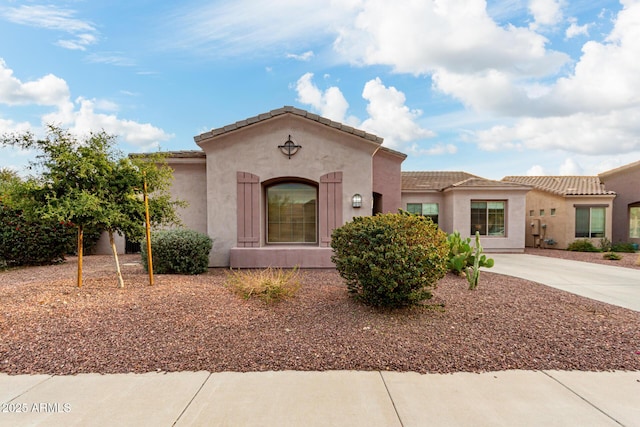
(582, 245)
(390, 260)
(178, 251)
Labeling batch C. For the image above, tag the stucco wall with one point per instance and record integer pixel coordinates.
(460, 205)
(556, 225)
(255, 149)
(387, 179)
(561, 226)
(626, 184)
(190, 185)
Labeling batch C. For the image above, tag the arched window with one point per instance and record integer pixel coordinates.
(292, 213)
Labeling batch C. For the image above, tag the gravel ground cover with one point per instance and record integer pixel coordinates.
(48, 325)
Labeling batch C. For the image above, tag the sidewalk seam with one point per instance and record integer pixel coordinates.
(30, 388)
(391, 398)
(582, 398)
(191, 400)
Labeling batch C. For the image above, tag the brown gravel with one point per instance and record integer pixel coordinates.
(48, 325)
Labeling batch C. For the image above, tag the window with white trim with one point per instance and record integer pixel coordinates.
(488, 217)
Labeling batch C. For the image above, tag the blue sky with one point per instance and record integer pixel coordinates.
(496, 88)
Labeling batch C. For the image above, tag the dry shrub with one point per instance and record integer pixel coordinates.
(638, 260)
(269, 285)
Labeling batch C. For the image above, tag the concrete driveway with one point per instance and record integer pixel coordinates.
(614, 285)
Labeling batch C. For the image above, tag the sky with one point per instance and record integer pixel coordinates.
(495, 88)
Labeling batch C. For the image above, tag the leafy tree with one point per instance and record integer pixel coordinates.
(92, 185)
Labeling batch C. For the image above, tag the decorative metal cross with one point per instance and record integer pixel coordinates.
(289, 148)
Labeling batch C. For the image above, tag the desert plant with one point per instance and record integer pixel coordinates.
(582, 245)
(478, 259)
(269, 285)
(638, 260)
(390, 260)
(178, 251)
(605, 244)
(611, 256)
(460, 251)
(623, 247)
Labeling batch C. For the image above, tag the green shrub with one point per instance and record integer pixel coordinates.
(623, 247)
(269, 285)
(178, 251)
(582, 245)
(24, 242)
(390, 260)
(611, 256)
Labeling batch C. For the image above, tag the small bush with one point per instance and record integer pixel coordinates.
(611, 256)
(582, 245)
(178, 251)
(24, 242)
(623, 247)
(390, 260)
(605, 244)
(269, 285)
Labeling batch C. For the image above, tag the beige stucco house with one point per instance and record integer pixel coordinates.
(459, 201)
(271, 189)
(625, 182)
(562, 209)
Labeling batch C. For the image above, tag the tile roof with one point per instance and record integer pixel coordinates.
(441, 180)
(432, 180)
(564, 185)
(288, 110)
(186, 154)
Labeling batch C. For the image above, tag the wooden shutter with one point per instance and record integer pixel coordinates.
(329, 205)
(248, 210)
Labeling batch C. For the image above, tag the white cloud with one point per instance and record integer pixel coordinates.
(536, 170)
(457, 35)
(54, 18)
(571, 167)
(595, 110)
(330, 104)
(545, 12)
(306, 56)
(389, 117)
(80, 117)
(575, 30)
(435, 150)
(236, 28)
(47, 90)
(86, 119)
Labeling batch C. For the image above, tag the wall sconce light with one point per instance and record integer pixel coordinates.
(356, 201)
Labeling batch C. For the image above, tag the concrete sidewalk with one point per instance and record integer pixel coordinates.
(332, 398)
(614, 285)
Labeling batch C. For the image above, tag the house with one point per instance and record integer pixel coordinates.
(561, 209)
(625, 182)
(271, 189)
(459, 201)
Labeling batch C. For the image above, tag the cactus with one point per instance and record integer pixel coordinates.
(478, 259)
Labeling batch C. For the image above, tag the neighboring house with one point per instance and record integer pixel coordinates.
(625, 181)
(562, 209)
(271, 189)
(459, 201)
